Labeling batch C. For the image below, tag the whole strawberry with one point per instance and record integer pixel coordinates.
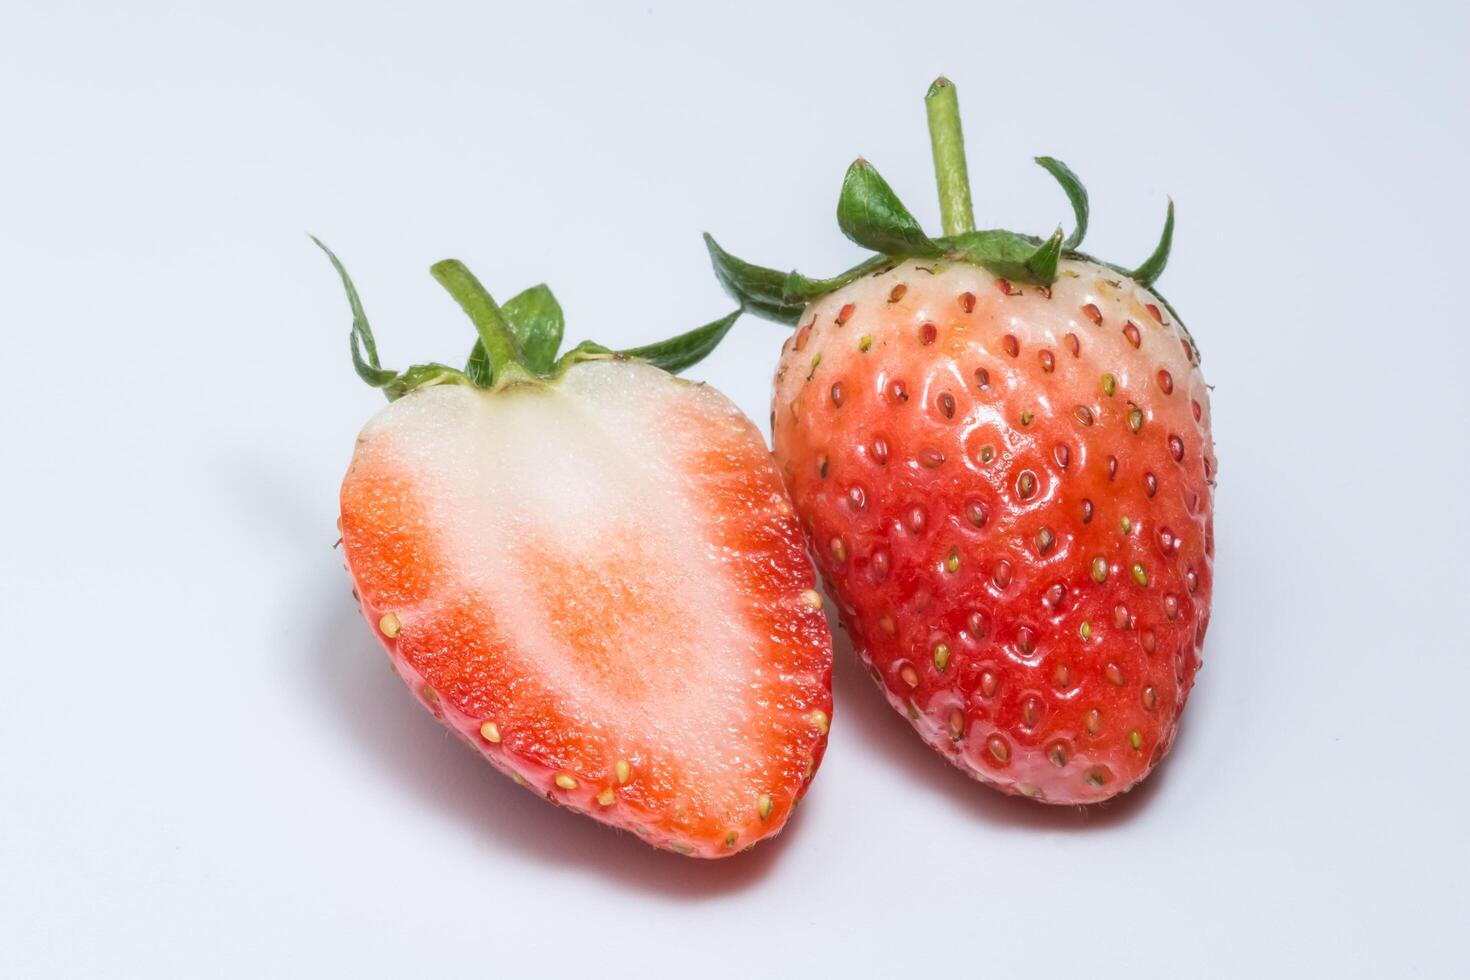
(1000, 451)
(589, 571)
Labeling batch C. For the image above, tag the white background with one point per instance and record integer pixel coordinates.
(206, 767)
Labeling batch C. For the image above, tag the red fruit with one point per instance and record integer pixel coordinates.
(1020, 546)
(1000, 452)
(592, 575)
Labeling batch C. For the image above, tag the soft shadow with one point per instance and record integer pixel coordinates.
(352, 676)
(887, 735)
(267, 497)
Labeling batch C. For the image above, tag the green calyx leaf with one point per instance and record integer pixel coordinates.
(1019, 258)
(1076, 193)
(687, 349)
(872, 215)
(777, 312)
(536, 321)
(1153, 266)
(364, 348)
(754, 287)
(394, 384)
(673, 355)
(1043, 262)
(777, 295)
(516, 343)
(804, 290)
(424, 376)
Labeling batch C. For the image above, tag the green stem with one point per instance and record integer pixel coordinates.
(943, 105)
(507, 363)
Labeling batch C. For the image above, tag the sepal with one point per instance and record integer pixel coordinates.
(1153, 267)
(1076, 194)
(870, 213)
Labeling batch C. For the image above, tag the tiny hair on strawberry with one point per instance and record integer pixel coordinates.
(590, 572)
(999, 450)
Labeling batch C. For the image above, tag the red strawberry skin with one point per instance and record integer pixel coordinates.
(599, 584)
(1009, 492)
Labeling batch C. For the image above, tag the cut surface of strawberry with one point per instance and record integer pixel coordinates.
(595, 578)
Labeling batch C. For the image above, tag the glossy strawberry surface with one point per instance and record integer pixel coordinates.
(1008, 489)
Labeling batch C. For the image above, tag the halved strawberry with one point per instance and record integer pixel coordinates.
(589, 570)
(1000, 449)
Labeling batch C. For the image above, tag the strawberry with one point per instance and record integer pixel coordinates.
(999, 449)
(590, 572)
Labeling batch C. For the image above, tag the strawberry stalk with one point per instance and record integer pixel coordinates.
(871, 214)
(948, 142)
(507, 361)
